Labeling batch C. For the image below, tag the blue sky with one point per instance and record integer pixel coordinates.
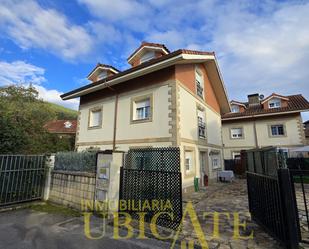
(262, 46)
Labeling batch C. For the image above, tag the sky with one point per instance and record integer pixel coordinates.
(262, 46)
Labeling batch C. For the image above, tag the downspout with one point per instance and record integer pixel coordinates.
(115, 121)
(255, 133)
(115, 117)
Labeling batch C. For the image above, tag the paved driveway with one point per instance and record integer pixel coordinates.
(28, 229)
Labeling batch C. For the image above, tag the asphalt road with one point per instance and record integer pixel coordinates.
(28, 229)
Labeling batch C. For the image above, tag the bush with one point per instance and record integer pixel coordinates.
(76, 161)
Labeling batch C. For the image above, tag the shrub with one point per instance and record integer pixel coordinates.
(76, 161)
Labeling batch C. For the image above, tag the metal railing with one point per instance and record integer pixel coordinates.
(22, 178)
(201, 129)
(200, 90)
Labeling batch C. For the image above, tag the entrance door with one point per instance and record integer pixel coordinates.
(203, 166)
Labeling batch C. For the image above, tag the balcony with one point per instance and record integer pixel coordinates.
(201, 129)
(200, 90)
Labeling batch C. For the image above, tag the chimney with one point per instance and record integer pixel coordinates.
(254, 99)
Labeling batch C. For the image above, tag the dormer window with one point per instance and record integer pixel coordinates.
(147, 56)
(274, 103)
(102, 75)
(235, 108)
(67, 124)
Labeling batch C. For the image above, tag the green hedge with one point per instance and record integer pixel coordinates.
(76, 161)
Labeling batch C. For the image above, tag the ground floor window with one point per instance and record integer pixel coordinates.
(188, 161)
(215, 160)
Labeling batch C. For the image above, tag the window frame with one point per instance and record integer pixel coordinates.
(201, 122)
(199, 72)
(274, 101)
(270, 130)
(216, 157)
(133, 110)
(191, 170)
(242, 133)
(95, 109)
(151, 56)
(238, 108)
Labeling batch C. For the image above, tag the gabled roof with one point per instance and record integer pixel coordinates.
(296, 103)
(234, 102)
(103, 66)
(59, 126)
(274, 95)
(157, 46)
(177, 57)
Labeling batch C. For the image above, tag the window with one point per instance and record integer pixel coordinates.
(215, 161)
(277, 130)
(141, 109)
(188, 161)
(201, 124)
(236, 155)
(102, 75)
(199, 83)
(147, 56)
(236, 133)
(95, 118)
(274, 103)
(235, 108)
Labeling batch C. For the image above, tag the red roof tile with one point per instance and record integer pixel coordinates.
(295, 103)
(59, 126)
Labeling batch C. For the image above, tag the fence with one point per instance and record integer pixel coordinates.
(236, 166)
(271, 198)
(153, 175)
(22, 178)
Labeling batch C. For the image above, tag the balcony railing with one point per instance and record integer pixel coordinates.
(199, 90)
(201, 129)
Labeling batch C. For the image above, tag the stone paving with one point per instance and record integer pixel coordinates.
(231, 198)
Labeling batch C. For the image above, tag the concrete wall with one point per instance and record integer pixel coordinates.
(70, 188)
(293, 126)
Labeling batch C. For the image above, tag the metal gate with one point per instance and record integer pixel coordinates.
(271, 198)
(22, 178)
(152, 175)
(300, 186)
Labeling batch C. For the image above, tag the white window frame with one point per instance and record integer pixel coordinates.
(143, 112)
(102, 75)
(235, 135)
(147, 56)
(92, 111)
(199, 82)
(189, 161)
(274, 103)
(236, 154)
(235, 110)
(215, 161)
(276, 126)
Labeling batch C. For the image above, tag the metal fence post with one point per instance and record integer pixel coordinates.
(50, 161)
(289, 208)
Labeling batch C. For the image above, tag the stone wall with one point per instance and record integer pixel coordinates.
(70, 188)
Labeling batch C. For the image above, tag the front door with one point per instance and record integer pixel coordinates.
(203, 166)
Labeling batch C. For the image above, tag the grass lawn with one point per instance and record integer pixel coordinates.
(55, 209)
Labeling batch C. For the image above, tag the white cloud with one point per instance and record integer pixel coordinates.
(20, 72)
(31, 26)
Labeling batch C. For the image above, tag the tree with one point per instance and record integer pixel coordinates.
(22, 119)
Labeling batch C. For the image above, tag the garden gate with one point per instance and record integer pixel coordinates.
(22, 178)
(152, 175)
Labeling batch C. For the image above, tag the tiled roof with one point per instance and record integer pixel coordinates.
(59, 126)
(102, 65)
(150, 44)
(138, 67)
(295, 103)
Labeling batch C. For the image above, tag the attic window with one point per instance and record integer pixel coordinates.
(147, 56)
(235, 108)
(67, 124)
(102, 75)
(274, 103)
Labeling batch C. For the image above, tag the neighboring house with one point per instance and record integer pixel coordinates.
(306, 126)
(63, 128)
(272, 121)
(165, 99)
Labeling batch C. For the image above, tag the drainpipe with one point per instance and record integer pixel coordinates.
(115, 121)
(115, 117)
(255, 134)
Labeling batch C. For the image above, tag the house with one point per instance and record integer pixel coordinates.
(260, 122)
(306, 126)
(164, 99)
(63, 128)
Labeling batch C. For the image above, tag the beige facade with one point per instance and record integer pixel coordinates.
(257, 133)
